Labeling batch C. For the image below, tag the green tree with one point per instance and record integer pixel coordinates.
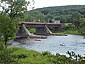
(45, 12)
(82, 26)
(28, 17)
(63, 18)
(40, 17)
(15, 8)
(75, 18)
(49, 18)
(7, 29)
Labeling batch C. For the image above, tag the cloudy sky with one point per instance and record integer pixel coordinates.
(47, 3)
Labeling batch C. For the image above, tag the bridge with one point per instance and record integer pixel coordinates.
(36, 24)
(41, 29)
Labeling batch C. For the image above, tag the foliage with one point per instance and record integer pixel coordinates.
(28, 18)
(32, 30)
(69, 27)
(82, 26)
(23, 56)
(75, 32)
(72, 55)
(6, 57)
(62, 13)
(75, 18)
(7, 29)
(15, 8)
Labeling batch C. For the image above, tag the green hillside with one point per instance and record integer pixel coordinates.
(62, 13)
(60, 8)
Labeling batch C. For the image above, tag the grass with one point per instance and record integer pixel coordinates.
(32, 30)
(23, 56)
(69, 32)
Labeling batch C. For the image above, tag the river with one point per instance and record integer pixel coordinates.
(54, 44)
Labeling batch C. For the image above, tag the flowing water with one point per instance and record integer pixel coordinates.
(54, 44)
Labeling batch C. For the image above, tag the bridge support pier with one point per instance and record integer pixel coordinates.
(43, 30)
(22, 33)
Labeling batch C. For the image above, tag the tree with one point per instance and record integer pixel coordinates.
(45, 12)
(15, 8)
(28, 18)
(63, 19)
(49, 18)
(39, 17)
(7, 29)
(82, 26)
(75, 18)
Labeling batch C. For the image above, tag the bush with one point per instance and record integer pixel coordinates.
(6, 57)
(17, 55)
(69, 27)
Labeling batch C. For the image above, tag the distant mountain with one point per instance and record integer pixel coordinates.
(63, 13)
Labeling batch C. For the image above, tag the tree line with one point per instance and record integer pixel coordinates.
(62, 13)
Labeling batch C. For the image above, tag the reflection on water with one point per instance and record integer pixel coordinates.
(54, 44)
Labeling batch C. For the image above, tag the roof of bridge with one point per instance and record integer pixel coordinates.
(39, 23)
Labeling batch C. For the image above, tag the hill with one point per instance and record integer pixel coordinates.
(62, 13)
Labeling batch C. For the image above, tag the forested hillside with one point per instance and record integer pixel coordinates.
(51, 14)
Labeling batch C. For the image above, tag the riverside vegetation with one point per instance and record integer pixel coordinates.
(17, 55)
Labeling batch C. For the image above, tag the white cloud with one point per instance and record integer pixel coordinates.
(47, 3)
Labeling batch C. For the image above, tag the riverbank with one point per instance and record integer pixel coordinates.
(69, 32)
(24, 56)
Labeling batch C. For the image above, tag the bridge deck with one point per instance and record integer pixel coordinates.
(40, 23)
(37, 24)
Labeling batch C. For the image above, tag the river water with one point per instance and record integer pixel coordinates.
(54, 44)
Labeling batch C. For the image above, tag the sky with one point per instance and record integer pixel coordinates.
(47, 3)
(50, 3)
